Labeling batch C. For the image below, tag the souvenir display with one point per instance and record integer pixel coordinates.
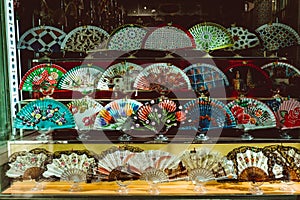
(168, 37)
(277, 35)
(85, 39)
(127, 38)
(288, 114)
(242, 38)
(210, 36)
(42, 39)
(119, 77)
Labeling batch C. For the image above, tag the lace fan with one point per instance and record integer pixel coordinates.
(41, 77)
(210, 36)
(83, 78)
(160, 77)
(46, 114)
(252, 114)
(127, 37)
(277, 35)
(119, 76)
(289, 114)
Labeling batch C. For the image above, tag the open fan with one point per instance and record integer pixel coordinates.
(84, 39)
(41, 77)
(83, 78)
(168, 37)
(288, 114)
(128, 37)
(119, 77)
(42, 39)
(210, 36)
(205, 76)
(46, 114)
(277, 35)
(162, 77)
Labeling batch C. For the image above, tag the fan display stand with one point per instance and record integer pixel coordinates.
(201, 136)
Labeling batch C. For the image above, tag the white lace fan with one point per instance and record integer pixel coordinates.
(288, 114)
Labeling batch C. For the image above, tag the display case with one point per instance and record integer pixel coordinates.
(153, 99)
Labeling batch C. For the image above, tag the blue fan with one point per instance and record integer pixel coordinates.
(46, 114)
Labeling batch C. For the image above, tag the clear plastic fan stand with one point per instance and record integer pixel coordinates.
(161, 136)
(284, 134)
(153, 187)
(123, 186)
(246, 135)
(201, 136)
(44, 134)
(286, 183)
(125, 137)
(255, 188)
(82, 136)
(38, 185)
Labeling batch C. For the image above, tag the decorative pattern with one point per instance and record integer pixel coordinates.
(42, 39)
(210, 36)
(281, 70)
(288, 114)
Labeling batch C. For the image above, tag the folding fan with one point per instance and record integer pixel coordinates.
(128, 37)
(84, 39)
(83, 78)
(281, 70)
(243, 39)
(46, 114)
(206, 114)
(119, 76)
(289, 114)
(277, 35)
(42, 39)
(41, 76)
(84, 111)
(168, 37)
(117, 114)
(251, 114)
(161, 76)
(210, 36)
(205, 76)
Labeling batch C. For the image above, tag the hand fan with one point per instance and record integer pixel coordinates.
(116, 115)
(206, 114)
(277, 35)
(242, 38)
(119, 77)
(42, 39)
(41, 77)
(161, 76)
(289, 114)
(83, 78)
(205, 76)
(281, 70)
(46, 114)
(210, 36)
(127, 37)
(251, 114)
(84, 39)
(84, 112)
(168, 37)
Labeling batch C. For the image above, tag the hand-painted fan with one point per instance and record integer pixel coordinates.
(46, 114)
(42, 39)
(83, 78)
(128, 37)
(210, 36)
(168, 37)
(243, 39)
(84, 39)
(289, 114)
(251, 114)
(116, 115)
(162, 77)
(119, 77)
(42, 77)
(277, 35)
(205, 76)
(205, 114)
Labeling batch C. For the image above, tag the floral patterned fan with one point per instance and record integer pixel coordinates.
(289, 114)
(84, 39)
(168, 37)
(42, 77)
(251, 114)
(128, 37)
(83, 78)
(46, 114)
(119, 77)
(277, 35)
(210, 36)
(42, 39)
(205, 76)
(161, 77)
(243, 39)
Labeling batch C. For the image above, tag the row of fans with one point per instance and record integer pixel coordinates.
(245, 163)
(126, 76)
(204, 36)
